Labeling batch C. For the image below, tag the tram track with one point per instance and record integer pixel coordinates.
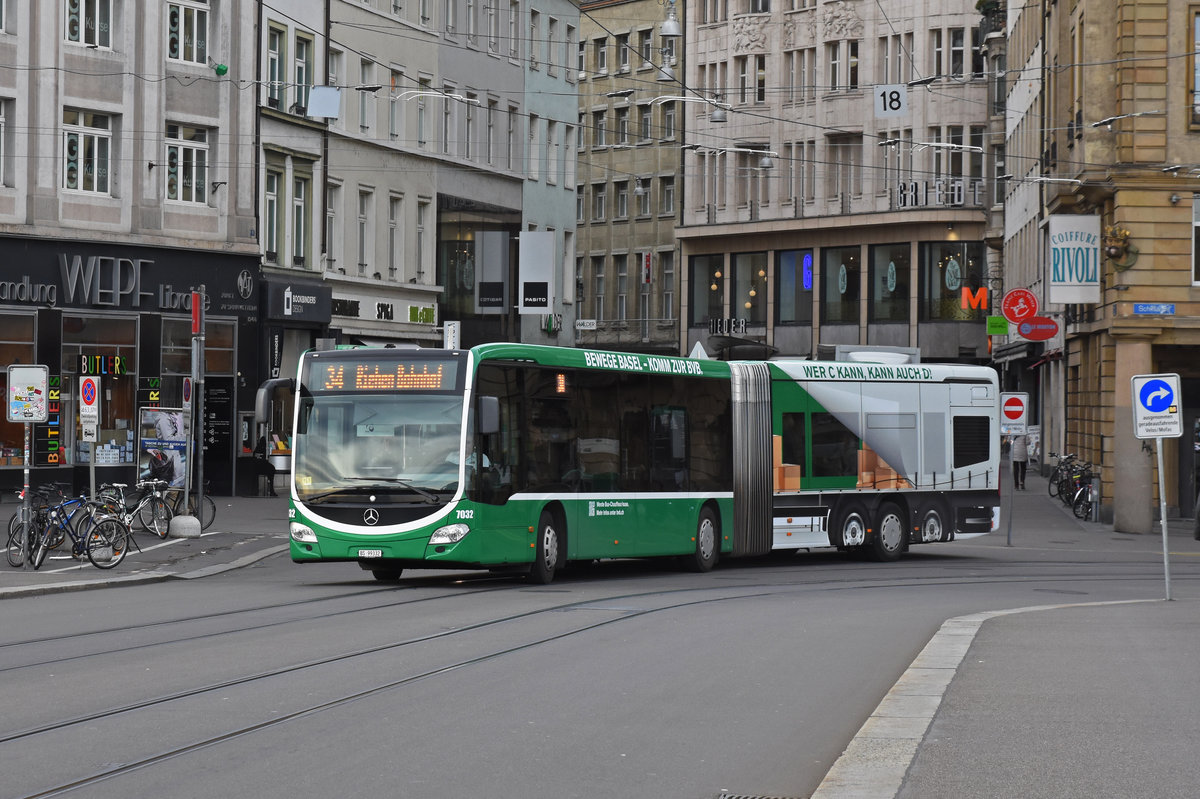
(760, 583)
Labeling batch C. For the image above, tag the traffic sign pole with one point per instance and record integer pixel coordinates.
(1156, 404)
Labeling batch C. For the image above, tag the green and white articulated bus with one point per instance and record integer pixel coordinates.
(528, 458)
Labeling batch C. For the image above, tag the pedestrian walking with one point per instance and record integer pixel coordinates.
(1019, 454)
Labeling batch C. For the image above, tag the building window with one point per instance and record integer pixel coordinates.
(552, 160)
(599, 201)
(957, 52)
(395, 230)
(599, 135)
(668, 122)
(514, 28)
(645, 122)
(1196, 238)
(793, 287)
(87, 139)
(749, 284)
(800, 74)
(366, 105)
(600, 48)
(950, 270)
(598, 283)
(300, 206)
(622, 126)
(666, 194)
(469, 121)
(706, 279)
(889, 279)
(422, 244)
(423, 87)
(303, 74)
(187, 164)
(666, 263)
(623, 52)
(580, 204)
(275, 56)
(395, 108)
(364, 232)
(840, 268)
(90, 22)
(621, 190)
(642, 192)
(271, 216)
(333, 194)
(187, 32)
(621, 267)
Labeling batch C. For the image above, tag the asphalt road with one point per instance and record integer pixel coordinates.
(624, 680)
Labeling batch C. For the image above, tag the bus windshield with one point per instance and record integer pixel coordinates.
(400, 446)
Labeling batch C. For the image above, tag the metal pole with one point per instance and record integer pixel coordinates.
(26, 517)
(1162, 515)
(199, 405)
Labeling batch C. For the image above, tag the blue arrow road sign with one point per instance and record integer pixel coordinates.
(1156, 396)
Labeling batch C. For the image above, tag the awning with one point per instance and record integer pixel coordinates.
(1052, 355)
(1013, 351)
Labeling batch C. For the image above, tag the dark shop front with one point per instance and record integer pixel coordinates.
(122, 314)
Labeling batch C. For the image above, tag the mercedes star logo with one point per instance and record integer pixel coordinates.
(371, 516)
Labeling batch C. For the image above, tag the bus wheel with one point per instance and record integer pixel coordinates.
(707, 543)
(852, 528)
(387, 575)
(933, 525)
(891, 530)
(545, 562)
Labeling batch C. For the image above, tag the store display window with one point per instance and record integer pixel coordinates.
(16, 342)
(105, 348)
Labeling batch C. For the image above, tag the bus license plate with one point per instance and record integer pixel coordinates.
(370, 553)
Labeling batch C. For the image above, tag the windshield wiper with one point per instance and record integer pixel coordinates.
(429, 497)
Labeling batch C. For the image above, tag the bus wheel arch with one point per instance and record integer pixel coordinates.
(890, 535)
(850, 530)
(708, 540)
(550, 545)
(933, 523)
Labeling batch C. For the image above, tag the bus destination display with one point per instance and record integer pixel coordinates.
(386, 375)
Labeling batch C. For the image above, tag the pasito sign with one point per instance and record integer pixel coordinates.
(1019, 305)
(1014, 408)
(1037, 328)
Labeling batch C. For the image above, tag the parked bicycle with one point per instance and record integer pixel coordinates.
(174, 498)
(40, 500)
(145, 502)
(1082, 498)
(103, 538)
(1061, 469)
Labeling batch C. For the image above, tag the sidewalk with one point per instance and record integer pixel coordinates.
(246, 529)
(1079, 699)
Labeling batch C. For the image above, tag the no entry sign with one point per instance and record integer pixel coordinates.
(1014, 407)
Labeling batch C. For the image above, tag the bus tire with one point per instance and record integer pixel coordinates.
(387, 575)
(851, 529)
(548, 550)
(708, 543)
(933, 524)
(891, 533)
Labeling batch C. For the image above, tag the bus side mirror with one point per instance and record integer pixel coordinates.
(489, 415)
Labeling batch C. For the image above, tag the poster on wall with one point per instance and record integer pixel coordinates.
(537, 272)
(1074, 258)
(162, 445)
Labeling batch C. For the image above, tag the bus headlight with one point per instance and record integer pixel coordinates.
(302, 533)
(450, 534)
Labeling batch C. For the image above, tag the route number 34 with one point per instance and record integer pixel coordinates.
(891, 100)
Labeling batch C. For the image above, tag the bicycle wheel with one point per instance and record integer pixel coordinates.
(1082, 506)
(18, 531)
(107, 543)
(1052, 486)
(207, 516)
(37, 555)
(155, 515)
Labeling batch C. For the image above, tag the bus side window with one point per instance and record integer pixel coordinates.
(834, 446)
(794, 441)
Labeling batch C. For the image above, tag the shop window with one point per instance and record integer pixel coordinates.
(749, 301)
(839, 281)
(16, 342)
(953, 287)
(106, 348)
(794, 282)
(889, 281)
(707, 289)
